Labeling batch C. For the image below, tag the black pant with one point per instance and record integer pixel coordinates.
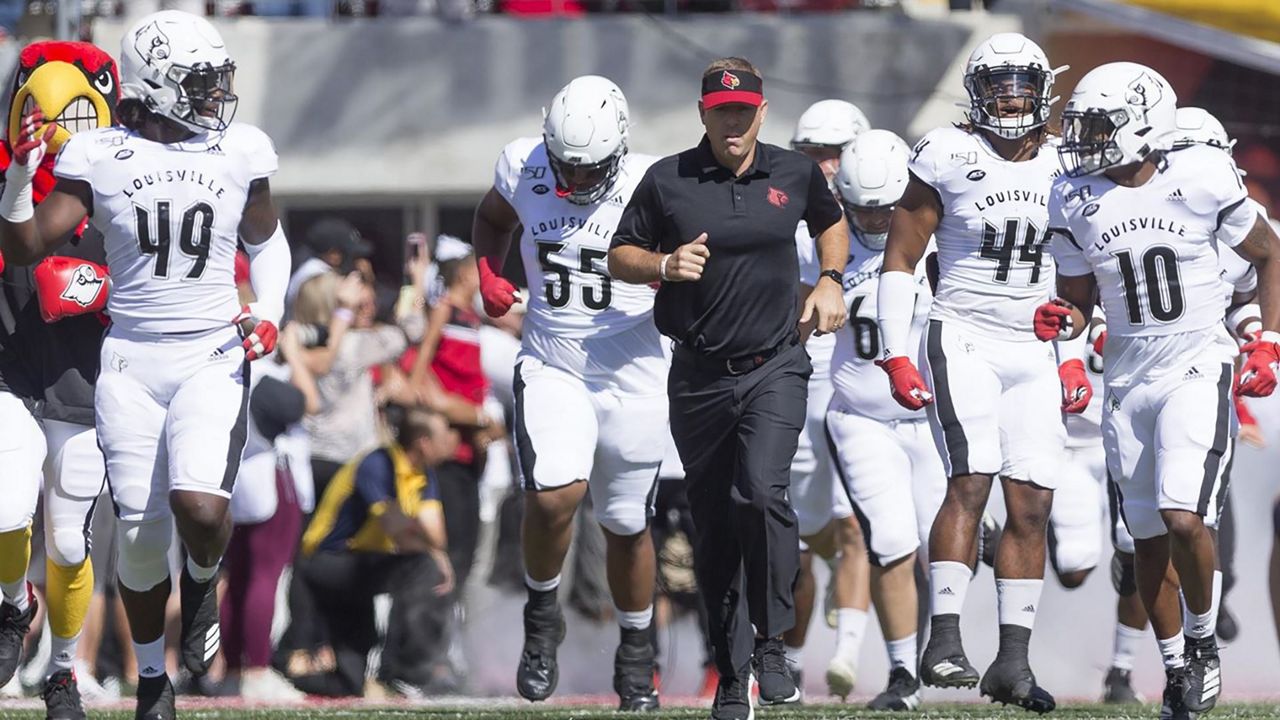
(344, 584)
(737, 437)
(459, 486)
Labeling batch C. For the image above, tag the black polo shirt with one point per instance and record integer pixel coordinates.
(745, 301)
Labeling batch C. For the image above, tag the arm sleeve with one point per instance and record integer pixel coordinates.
(807, 252)
(375, 480)
(269, 264)
(72, 162)
(895, 307)
(639, 225)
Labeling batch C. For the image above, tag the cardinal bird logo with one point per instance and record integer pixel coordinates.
(84, 287)
(778, 198)
(730, 80)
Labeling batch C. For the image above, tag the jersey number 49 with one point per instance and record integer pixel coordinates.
(154, 228)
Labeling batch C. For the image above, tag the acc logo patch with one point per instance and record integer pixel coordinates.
(1090, 210)
(541, 189)
(124, 154)
(976, 175)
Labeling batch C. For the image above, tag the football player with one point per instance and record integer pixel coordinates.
(1139, 228)
(981, 190)
(590, 380)
(51, 335)
(825, 519)
(170, 190)
(885, 453)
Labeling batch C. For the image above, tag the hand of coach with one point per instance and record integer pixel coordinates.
(827, 303)
(686, 263)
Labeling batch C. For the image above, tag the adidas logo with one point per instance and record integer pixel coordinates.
(946, 668)
(1176, 196)
(1193, 374)
(946, 591)
(1029, 608)
(150, 671)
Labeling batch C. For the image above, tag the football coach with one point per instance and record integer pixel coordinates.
(715, 226)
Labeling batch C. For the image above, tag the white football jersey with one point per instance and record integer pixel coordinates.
(992, 268)
(860, 386)
(170, 216)
(1154, 252)
(819, 347)
(565, 246)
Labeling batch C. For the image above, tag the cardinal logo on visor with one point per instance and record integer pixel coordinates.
(730, 80)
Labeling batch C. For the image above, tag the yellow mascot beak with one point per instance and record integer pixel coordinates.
(67, 98)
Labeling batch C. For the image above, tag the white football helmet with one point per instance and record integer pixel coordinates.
(1009, 67)
(178, 66)
(585, 131)
(1197, 126)
(872, 177)
(1120, 113)
(832, 123)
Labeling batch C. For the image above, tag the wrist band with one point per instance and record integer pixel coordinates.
(662, 267)
(15, 202)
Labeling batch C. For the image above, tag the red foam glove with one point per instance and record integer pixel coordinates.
(1077, 391)
(69, 286)
(259, 335)
(907, 386)
(1051, 320)
(1257, 374)
(498, 294)
(33, 139)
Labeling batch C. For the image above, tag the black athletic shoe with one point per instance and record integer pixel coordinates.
(902, 693)
(633, 671)
(155, 699)
(1009, 680)
(1204, 680)
(1228, 628)
(1173, 705)
(200, 633)
(943, 663)
(777, 687)
(61, 697)
(1118, 688)
(733, 697)
(13, 635)
(538, 674)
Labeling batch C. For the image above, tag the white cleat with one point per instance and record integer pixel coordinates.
(842, 675)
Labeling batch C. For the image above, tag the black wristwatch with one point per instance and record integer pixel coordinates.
(833, 274)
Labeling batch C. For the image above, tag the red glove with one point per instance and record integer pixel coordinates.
(69, 286)
(33, 139)
(1051, 320)
(1100, 342)
(1077, 391)
(1257, 374)
(259, 335)
(907, 386)
(498, 294)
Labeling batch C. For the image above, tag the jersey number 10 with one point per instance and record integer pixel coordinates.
(195, 231)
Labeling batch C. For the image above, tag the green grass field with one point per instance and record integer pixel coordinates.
(812, 712)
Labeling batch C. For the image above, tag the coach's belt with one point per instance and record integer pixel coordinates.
(730, 366)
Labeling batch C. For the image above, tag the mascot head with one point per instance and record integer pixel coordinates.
(74, 83)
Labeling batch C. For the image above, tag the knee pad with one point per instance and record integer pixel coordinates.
(1122, 576)
(66, 546)
(143, 559)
